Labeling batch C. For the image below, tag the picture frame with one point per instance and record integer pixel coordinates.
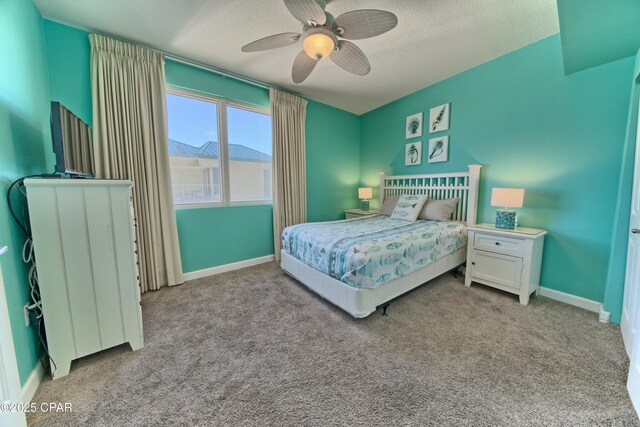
(413, 127)
(439, 118)
(438, 150)
(413, 153)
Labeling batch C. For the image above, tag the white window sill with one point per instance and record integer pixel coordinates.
(220, 205)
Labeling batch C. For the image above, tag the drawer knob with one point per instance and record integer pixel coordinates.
(473, 263)
(497, 243)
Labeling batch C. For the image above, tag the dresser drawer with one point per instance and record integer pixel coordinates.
(499, 244)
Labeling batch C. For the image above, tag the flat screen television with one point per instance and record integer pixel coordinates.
(72, 143)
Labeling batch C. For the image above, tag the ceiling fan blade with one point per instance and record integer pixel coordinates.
(365, 23)
(306, 11)
(350, 58)
(272, 42)
(302, 67)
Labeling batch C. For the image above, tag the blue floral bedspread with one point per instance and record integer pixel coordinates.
(369, 251)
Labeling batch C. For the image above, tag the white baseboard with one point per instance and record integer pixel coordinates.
(604, 316)
(31, 385)
(587, 304)
(227, 267)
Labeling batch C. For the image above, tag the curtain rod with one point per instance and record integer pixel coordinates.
(191, 62)
(202, 66)
(175, 58)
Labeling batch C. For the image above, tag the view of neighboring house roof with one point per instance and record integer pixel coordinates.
(177, 148)
(209, 150)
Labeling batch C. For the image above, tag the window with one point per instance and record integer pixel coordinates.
(249, 134)
(193, 149)
(219, 151)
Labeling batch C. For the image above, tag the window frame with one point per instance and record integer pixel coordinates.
(223, 148)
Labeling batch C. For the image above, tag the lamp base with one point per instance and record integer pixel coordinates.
(364, 205)
(505, 219)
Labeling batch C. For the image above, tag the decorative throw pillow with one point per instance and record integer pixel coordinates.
(389, 204)
(408, 207)
(438, 210)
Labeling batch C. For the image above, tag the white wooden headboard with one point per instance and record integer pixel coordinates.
(439, 186)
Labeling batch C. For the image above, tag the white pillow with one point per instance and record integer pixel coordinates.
(408, 207)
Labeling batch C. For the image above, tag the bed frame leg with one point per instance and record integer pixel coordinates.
(384, 309)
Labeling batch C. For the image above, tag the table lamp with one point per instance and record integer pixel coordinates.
(507, 198)
(364, 194)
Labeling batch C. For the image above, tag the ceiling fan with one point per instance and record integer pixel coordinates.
(321, 33)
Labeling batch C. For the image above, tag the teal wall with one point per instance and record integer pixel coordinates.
(596, 32)
(69, 61)
(333, 161)
(215, 236)
(620, 234)
(560, 137)
(25, 148)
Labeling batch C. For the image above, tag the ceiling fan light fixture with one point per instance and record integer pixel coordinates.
(320, 32)
(318, 43)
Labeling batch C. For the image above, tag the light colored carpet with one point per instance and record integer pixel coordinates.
(254, 347)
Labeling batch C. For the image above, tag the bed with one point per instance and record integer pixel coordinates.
(363, 264)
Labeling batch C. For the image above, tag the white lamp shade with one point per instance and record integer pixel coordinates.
(365, 193)
(507, 197)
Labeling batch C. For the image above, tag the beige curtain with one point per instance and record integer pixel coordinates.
(288, 116)
(130, 142)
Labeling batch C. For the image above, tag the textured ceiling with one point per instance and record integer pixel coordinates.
(434, 39)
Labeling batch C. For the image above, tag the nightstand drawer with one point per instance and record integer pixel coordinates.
(358, 213)
(500, 269)
(498, 244)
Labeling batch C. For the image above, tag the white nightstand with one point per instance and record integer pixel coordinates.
(505, 259)
(356, 213)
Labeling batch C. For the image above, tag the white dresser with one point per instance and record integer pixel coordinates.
(84, 241)
(505, 259)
